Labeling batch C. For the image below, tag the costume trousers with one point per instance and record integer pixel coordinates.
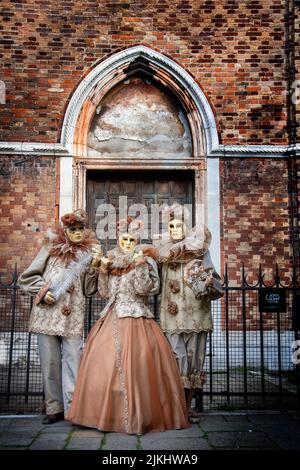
(190, 351)
(60, 358)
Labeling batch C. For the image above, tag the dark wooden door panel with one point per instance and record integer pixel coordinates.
(165, 187)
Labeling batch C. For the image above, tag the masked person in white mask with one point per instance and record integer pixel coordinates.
(189, 283)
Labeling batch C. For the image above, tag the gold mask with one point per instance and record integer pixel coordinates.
(127, 242)
(75, 234)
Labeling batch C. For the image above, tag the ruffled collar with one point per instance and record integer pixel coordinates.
(195, 244)
(121, 263)
(61, 247)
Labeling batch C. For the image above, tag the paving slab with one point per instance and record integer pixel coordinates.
(192, 431)
(252, 430)
(118, 441)
(50, 441)
(237, 440)
(26, 423)
(19, 438)
(5, 424)
(60, 425)
(284, 438)
(236, 418)
(87, 433)
(13, 448)
(84, 443)
(277, 418)
(176, 443)
(54, 430)
(218, 423)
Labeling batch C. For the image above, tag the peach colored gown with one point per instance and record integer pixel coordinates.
(128, 379)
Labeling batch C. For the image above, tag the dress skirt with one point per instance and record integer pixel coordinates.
(128, 379)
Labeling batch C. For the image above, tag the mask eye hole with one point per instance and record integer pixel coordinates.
(171, 226)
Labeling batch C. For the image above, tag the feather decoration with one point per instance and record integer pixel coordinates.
(67, 277)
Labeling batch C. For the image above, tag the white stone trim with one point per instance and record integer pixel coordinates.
(65, 193)
(239, 151)
(222, 151)
(32, 148)
(213, 210)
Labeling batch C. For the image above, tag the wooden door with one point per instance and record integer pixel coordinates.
(144, 187)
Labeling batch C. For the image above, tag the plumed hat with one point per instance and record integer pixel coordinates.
(72, 219)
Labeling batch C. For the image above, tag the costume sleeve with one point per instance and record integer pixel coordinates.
(31, 280)
(103, 283)
(214, 288)
(146, 280)
(90, 282)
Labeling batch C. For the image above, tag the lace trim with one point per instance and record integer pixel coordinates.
(118, 350)
(53, 332)
(186, 330)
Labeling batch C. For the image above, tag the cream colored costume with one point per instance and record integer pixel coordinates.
(128, 294)
(128, 379)
(59, 326)
(52, 319)
(185, 319)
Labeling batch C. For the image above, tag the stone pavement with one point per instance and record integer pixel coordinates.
(252, 430)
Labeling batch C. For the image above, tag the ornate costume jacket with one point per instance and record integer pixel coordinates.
(127, 285)
(66, 316)
(180, 310)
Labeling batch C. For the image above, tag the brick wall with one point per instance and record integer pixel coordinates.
(255, 220)
(255, 229)
(27, 208)
(234, 48)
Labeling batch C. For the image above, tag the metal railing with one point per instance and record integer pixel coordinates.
(249, 354)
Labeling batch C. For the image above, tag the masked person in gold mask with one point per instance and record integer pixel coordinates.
(128, 379)
(64, 271)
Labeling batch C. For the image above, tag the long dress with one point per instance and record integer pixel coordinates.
(128, 379)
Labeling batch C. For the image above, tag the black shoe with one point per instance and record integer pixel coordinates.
(50, 419)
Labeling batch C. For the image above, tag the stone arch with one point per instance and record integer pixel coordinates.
(118, 67)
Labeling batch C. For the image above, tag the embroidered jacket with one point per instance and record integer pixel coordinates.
(180, 310)
(127, 285)
(66, 316)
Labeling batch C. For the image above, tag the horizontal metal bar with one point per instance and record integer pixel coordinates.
(21, 394)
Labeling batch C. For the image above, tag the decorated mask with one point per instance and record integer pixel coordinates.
(127, 242)
(177, 229)
(74, 224)
(75, 233)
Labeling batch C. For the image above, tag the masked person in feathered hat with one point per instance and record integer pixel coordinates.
(189, 284)
(62, 274)
(128, 379)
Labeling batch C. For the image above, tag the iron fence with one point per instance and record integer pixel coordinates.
(249, 363)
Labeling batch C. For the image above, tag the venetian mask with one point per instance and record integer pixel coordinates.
(127, 242)
(177, 229)
(75, 234)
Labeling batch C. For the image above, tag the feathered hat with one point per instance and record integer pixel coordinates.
(72, 219)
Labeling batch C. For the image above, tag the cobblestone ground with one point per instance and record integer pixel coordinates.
(272, 430)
